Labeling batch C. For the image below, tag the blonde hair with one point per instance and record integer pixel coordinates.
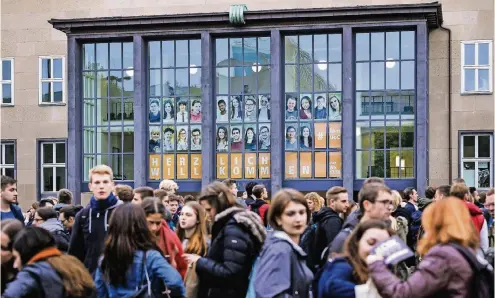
(396, 199)
(315, 198)
(168, 185)
(101, 170)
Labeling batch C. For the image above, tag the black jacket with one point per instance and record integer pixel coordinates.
(237, 239)
(37, 280)
(330, 222)
(337, 245)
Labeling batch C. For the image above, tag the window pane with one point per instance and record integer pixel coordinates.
(483, 83)
(469, 79)
(290, 78)
(60, 179)
(128, 171)
(363, 135)
(47, 153)
(168, 54)
(305, 49)
(377, 164)
(484, 174)
(46, 92)
(392, 75)
(195, 49)
(362, 46)
(128, 83)
(58, 92)
(484, 146)
(335, 77)
(46, 68)
(7, 93)
(116, 55)
(57, 68)
(264, 50)
(9, 154)
(48, 179)
(182, 81)
(483, 54)
(378, 77)
(377, 135)
(469, 54)
(115, 82)
(378, 46)
(9, 172)
(291, 49)
(407, 164)
(407, 74)
(182, 53)
(468, 146)
(128, 53)
(60, 153)
(407, 134)
(362, 162)
(6, 70)
(102, 55)
(128, 139)
(168, 82)
(222, 51)
(393, 164)
(407, 41)
(154, 48)
(393, 45)
(468, 173)
(222, 81)
(89, 56)
(320, 48)
(362, 76)
(335, 47)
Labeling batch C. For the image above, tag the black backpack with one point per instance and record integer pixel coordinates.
(482, 284)
(314, 244)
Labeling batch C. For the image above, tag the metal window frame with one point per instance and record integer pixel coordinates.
(476, 67)
(51, 80)
(476, 159)
(54, 165)
(2, 157)
(11, 82)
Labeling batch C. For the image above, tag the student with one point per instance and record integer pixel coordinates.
(411, 197)
(305, 140)
(124, 193)
(9, 193)
(291, 112)
(46, 218)
(182, 144)
(232, 185)
(250, 110)
(182, 115)
(67, 217)
(91, 224)
(169, 185)
(250, 139)
(64, 197)
(222, 139)
(260, 206)
(335, 111)
(222, 114)
(321, 108)
(290, 138)
(196, 111)
(141, 193)
(10, 228)
(305, 111)
(264, 112)
(168, 111)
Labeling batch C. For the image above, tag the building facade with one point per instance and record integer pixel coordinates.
(295, 96)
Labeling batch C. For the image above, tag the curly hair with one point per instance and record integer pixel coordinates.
(315, 198)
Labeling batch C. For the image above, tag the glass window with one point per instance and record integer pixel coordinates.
(52, 72)
(476, 160)
(313, 106)
(7, 81)
(242, 108)
(175, 115)
(108, 108)
(385, 104)
(53, 166)
(476, 64)
(8, 159)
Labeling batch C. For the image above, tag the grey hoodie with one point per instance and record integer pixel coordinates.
(55, 227)
(337, 245)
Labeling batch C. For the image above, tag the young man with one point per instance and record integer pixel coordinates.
(173, 207)
(141, 193)
(196, 139)
(490, 196)
(442, 192)
(236, 143)
(67, 216)
(9, 197)
(91, 224)
(259, 206)
(124, 193)
(232, 185)
(64, 197)
(249, 191)
(222, 114)
(411, 196)
(169, 185)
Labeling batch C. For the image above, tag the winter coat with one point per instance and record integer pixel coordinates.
(330, 222)
(90, 229)
(37, 280)
(281, 269)
(410, 208)
(17, 212)
(159, 270)
(443, 272)
(337, 245)
(237, 238)
(55, 227)
(337, 280)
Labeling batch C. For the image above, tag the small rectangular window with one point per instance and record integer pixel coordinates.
(7, 158)
(53, 166)
(477, 160)
(51, 74)
(7, 82)
(476, 63)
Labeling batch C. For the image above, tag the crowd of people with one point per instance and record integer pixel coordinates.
(148, 242)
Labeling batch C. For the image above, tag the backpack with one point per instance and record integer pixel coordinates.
(482, 284)
(314, 244)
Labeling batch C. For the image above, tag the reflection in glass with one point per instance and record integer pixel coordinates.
(235, 53)
(483, 77)
(115, 56)
(115, 83)
(290, 78)
(291, 49)
(469, 54)
(128, 172)
(168, 110)
(392, 75)
(377, 164)
(235, 78)
(168, 54)
(89, 57)
(393, 135)
(483, 54)
(335, 77)
(407, 164)
(362, 163)
(182, 138)
(335, 47)
(306, 78)
(57, 68)
(377, 135)
(222, 138)
(393, 164)
(222, 82)
(168, 138)
(264, 113)
(363, 135)
(407, 134)
(321, 107)
(196, 110)
(6, 70)
(407, 74)
(195, 52)
(264, 137)
(291, 107)
(47, 153)
(58, 92)
(182, 113)
(154, 54)
(469, 79)
(102, 55)
(128, 55)
(484, 146)
(263, 50)
(468, 146)
(222, 51)
(46, 70)
(335, 107)
(6, 93)
(46, 92)
(378, 77)
(222, 109)
(469, 172)
(306, 48)
(407, 41)
(321, 77)
(195, 81)
(181, 81)
(181, 53)
(320, 48)
(362, 76)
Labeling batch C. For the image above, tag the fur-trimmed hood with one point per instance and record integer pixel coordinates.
(250, 220)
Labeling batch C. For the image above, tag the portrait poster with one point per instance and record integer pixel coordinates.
(291, 111)
(168, 141)
(264, 109)
(334, 107)
(155, 140)
(196, 138)
(182, 111)
(264, 137)
(222, 109)
(250, 109)
(182, 138)
(168, 105)
(154, 110)
(236, 112)
(196, 110)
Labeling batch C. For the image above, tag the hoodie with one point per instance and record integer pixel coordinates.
(337, 245)
(55, 227)
(90, 229)
(330, 221)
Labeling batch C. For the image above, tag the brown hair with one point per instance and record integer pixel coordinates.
(197, 243)
(6, 180)
(430, 192)
(76, 278)
(369, 192)
(144, 191)
(160, 193)
(258, 190)
(444, 190)
(374, 180)
(189, 198)
(459, 180)
(218, 196)
(315, 198)
(124, 192)
(447, 221)
(65, 196)
(229, 182)
(459, 190)
(102, 170)
(490, 192)
(351, 247)
(280, 201)
(11, 227)
(173, 198)
(333, 193)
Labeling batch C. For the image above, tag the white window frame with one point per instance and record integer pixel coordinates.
(54, 165)
(477, 67)
(51, 80)
(11, 81)
(3, 165)
(476, 159)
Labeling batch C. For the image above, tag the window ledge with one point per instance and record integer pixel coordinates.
(52, 104)
(476, 93)
(9, 105)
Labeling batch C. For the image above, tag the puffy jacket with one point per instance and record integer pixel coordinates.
(337, 245)
(37, 280)
(237, 238)
(159, 270)
(281, 269)
(55, 227)
(337, 280)
(443, 272)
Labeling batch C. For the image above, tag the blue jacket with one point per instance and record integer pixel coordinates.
(337, 280)
(158, 270)
(36, 280)
(17, 212)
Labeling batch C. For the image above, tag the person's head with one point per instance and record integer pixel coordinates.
(193, 218)
(313, 200)
(67, 215)
(263, 101)
(321, 102)
(460, 191)
(162, 195)
(474, 193)
(264, 133)
(65, 196)
(155, 134)
(430, 192)
(236, 134)
(189, 198)
(128, 232)
(442, 192)
(196, 136)
(249, 188)
(169, 185)
(306, 103)
(155, 213)
(182, 134)
(482, 198)
(373, 180)
(43, 214)
(235, 101)
(396, 199)
(291, 104)
(29, 242)
(305, 132)
(47, 202)
(259, 191)
(375, 201)
(459, 180)
(353, 206)
(124, 193)
(10, 228)
(101, 181)
(289, 212)
(359, 244)
(221, 106)
(182, 106)
(250, 104)
(447, 221)
(196, 106)
(221, 133)
(9, 190)
(168, 134)
(168, 106)
(250, 135)
(215, 198)
(410, 195)
(490, 196)
(335, 104)
(291, 132)
(173, 203)
(232, 185)
(154, 106)
(140, 193)
(338, 199)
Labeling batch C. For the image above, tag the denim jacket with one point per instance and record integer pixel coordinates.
(158, 269)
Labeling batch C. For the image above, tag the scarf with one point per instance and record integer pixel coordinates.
(100, 205)
(171, 247)
(45, 253)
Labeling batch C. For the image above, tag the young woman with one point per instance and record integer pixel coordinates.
(222, 139)
(182, 140)
(281, 270)
(306, 140)
(443, 272)
(237, 238)
(335, 111)
(250, 139)
(166, 239)
(313, 200)
(196, 111)
(235, 109)
(290, 138)
(10, 228)
(168, 111)
(44, 270)
(130, 248)
(341, 276)
(305, 111)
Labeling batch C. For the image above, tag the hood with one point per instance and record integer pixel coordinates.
(423, 203)
(257, 204)
(48, 278)
(52, 225)
(246, 218)
(352, 220)
(249, 201)
(280, 236)
(323, 214)
(473, 209)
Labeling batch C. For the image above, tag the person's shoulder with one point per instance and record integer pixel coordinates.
(340, 264)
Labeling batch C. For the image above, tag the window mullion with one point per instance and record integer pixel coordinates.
(54, 181)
